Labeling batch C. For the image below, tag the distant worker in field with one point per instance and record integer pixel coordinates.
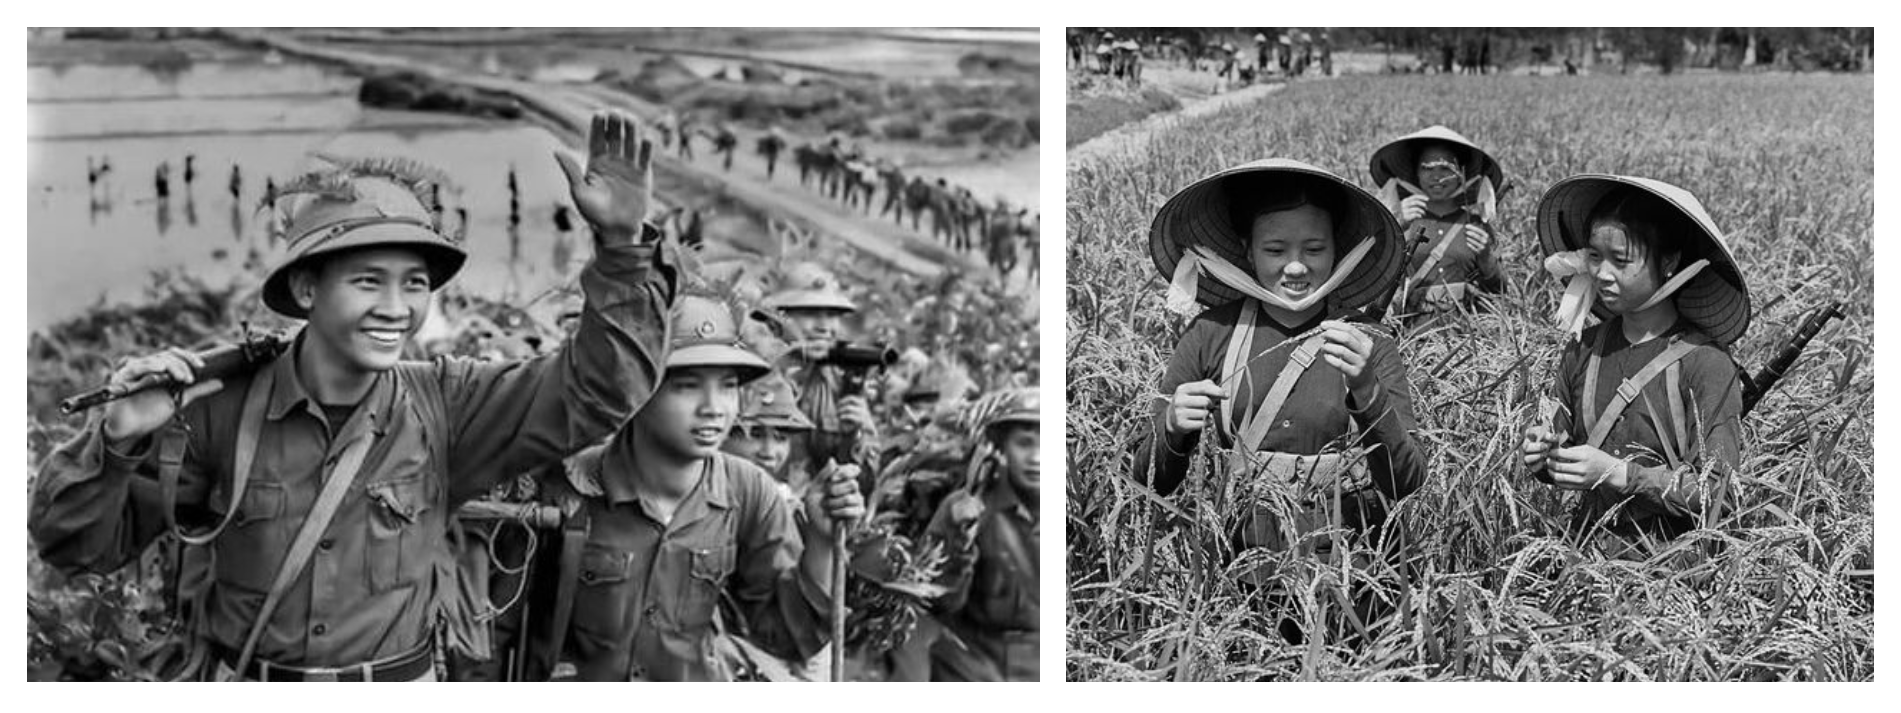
(1317, 409)
(236, 184)
(1648, 405)
(1129, 52)
(725, 141)
(162, 180)
(1105, 53)
(1444, 191)
(191, 171)
(989, 530)
(770, 146)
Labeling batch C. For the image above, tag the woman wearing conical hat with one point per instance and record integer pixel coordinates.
(1648, 401)
(1443, 188)
(1277, 255)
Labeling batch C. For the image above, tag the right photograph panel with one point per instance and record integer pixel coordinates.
(1470, 354)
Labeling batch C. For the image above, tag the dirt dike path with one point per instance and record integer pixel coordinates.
(568, 109)
(1132, 137)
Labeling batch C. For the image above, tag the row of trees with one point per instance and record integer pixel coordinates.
(1669, 48)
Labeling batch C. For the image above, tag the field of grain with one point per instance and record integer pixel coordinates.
(1486, 586)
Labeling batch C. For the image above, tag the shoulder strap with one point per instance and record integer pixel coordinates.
(1255, 430)
(335, 486)
(171, 458)
(1238, 344)
(1434, 256)
(1591, 368)
(1629, 390)
(567, 576)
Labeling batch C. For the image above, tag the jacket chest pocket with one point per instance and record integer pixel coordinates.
(600, 599)
(397, 549)
(250, 549)
(708, 567)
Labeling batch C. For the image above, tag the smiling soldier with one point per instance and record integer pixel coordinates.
(331, 472)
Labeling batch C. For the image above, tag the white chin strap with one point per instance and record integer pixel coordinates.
(1184, 287)
(1580, 292)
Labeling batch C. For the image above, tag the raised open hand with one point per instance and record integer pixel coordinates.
(615, 190)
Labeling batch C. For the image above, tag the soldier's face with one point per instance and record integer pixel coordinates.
(364, 306)
(764, 445)
(1292, 250)
(1021, 463)
(1626, 276)
(692, 412)
(817, 323)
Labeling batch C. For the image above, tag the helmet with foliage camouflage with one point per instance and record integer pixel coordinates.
(941, 380)
(357, 204)
(1016, 406)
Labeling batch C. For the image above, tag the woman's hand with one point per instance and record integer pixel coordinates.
(1477, 238)
(1587, 468)
(1191, 407)
(1539, 440)
(1411, 208)
(1350, 350)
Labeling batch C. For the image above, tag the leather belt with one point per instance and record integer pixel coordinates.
(401, 667)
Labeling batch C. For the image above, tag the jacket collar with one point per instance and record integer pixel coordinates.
(288, 394)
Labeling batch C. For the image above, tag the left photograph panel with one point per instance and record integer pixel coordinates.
(532, 354)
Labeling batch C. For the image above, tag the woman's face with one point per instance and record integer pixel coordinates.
(1439, 174)
(1625, 278)
(764, 445)
(1292, 251)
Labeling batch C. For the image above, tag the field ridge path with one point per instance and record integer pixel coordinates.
(1129, 137)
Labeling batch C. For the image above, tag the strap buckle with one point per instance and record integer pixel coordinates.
(1629, 391)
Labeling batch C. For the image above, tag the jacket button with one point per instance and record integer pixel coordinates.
(587, 576)
(326, 544)
(319, 629)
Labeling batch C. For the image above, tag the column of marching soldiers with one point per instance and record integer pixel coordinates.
(683, 480)
(841, 170)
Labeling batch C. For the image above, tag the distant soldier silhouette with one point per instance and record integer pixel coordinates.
(162, 180)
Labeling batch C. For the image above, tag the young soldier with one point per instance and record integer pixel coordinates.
(990, 535)
(671, 526)
(1649, 400)
(769, 418)
(1443, 189)
(338, 429)
(814, 305)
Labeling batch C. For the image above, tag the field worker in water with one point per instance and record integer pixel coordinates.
(1276, 255)
(339, 431)
(1648, 401)
(1444, 190)
(674, 527)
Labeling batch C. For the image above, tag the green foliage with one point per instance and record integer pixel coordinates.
(1486, 585)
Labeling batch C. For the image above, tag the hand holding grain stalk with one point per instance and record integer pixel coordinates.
(1191, 406)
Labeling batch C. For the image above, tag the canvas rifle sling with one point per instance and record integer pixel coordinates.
(1433, 257)
(171, 458)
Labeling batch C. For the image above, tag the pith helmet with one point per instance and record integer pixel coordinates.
(770, 401)
(1017, 406)
(809, 286)
(344, 211)
(705, 334)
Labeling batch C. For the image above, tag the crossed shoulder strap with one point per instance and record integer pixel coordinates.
(1435, 256)
(1255, 425)
(1667, 363)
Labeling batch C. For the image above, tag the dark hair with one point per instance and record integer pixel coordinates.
(1648, 221)
(1252, 195)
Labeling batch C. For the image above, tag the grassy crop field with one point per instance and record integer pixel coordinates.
(1487, 586)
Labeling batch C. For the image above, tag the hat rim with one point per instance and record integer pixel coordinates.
(1369, 280)
(750, 366)
(811, 300)
(1574, 196)
(443, 258)
(1393, 159)
(796, 422)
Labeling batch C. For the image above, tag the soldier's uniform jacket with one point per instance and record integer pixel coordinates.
(1459, 273)
(1664, 500)
(647, 606)
(991, 605)
(378, 579)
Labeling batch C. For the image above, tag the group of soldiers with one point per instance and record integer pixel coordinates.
(673, 490)
(1006, 234)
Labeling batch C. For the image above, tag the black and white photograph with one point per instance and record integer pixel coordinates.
(529, 354)
(1479, 354)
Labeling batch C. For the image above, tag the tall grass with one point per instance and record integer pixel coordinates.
(1484, 584)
